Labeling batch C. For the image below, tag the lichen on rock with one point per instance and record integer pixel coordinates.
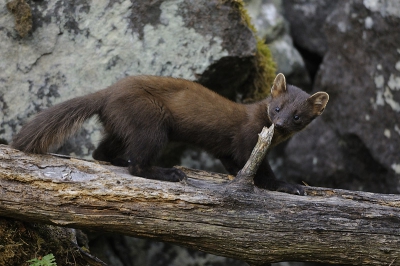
(23, 16)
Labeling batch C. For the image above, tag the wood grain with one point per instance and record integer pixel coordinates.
(327, 225)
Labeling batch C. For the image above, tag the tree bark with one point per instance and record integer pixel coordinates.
(327, 225)
(243, 182)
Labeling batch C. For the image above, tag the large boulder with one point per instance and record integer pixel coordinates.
(356, 142)
(75, 49)
(306, 18)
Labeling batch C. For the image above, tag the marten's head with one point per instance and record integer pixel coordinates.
(291, 109)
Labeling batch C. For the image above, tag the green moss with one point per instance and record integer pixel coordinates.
(22, 241)
(265, 67)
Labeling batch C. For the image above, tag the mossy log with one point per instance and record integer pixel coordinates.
(203, 212)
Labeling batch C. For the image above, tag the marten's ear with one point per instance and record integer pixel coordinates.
(279, 85)
(318, 100)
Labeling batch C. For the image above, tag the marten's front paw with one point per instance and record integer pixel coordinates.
(291, 188)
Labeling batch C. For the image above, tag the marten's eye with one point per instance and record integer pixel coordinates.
(277, 109)
(296, 117)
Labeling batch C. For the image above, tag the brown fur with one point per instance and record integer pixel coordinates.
(141, 114)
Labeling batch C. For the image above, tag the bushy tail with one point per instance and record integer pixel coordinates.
(51, 127)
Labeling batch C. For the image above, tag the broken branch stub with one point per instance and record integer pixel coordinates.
(244, 179)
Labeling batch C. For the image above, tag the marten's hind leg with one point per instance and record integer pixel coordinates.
(143, 149)
(111, 149)
(142, 123)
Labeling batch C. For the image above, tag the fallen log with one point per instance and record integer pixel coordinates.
(203, 212)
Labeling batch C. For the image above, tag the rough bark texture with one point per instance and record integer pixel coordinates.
(332, 226)
(244, 179)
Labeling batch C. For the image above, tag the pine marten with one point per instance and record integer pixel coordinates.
(140, 114)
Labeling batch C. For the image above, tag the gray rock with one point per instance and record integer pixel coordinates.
(289, 62)
(266, 15)
(77, 49)
(271, 26)
(307, 18)
(356, 142)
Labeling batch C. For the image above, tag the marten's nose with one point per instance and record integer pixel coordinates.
(279, 124)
